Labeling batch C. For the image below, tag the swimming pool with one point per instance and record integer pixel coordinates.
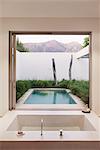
(49, 97)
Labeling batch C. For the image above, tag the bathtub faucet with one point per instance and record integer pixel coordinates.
(41, 127)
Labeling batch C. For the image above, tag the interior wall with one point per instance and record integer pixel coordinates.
(0, 66)
(52, 24)
(50, 8)
(3, 72)
(0, 58)
(99, 52)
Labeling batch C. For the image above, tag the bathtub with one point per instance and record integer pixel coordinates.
(80, 131)
(51, 123)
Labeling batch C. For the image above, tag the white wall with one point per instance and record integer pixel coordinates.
(99, 55)
(53, 24)
(3, 72)
(38, 66)
(0, 66)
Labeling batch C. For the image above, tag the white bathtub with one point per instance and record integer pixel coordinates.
(51, 123)
(81, 131)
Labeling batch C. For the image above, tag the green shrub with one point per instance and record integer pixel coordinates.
(79, 88)
(20, 47)
(64, 84)
(23, 85)
(42, 83)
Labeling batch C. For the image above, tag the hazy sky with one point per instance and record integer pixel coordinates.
(44, 38)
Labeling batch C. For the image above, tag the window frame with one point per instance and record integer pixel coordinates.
(12, 66)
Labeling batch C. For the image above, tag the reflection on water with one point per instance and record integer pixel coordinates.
(49, 97)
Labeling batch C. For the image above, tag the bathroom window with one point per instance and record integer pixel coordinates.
(49, 70)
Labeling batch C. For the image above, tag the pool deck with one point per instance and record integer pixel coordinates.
(21, 106)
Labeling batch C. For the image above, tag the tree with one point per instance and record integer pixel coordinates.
(86, 42)
(70, 68)
(20, 47)
(54, 70)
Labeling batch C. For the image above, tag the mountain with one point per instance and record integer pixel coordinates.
(73, 47)
(53, 46)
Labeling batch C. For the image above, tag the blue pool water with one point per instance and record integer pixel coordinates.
(49, 97)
